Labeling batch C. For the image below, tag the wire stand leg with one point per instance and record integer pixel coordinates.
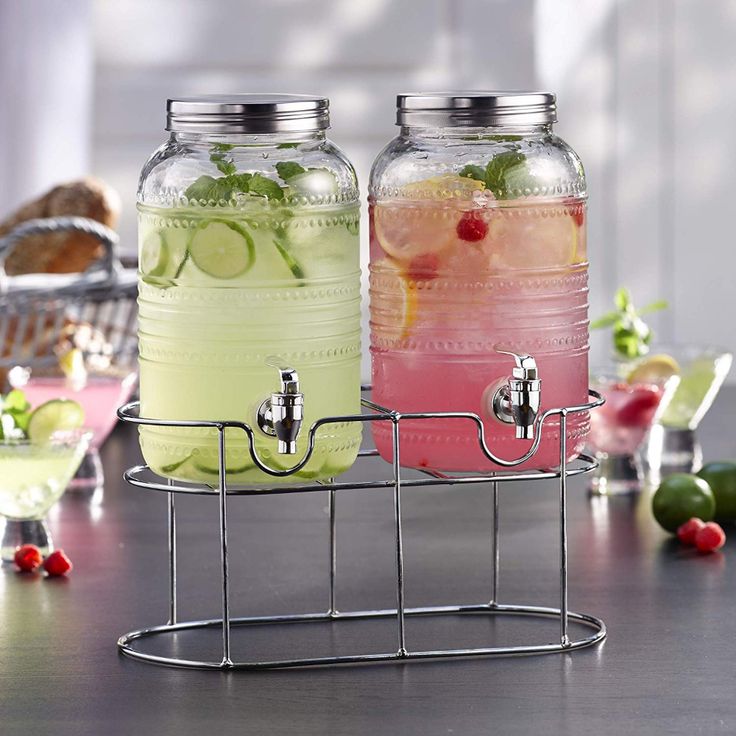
(399, 542)
(494, 547)
(226, 660)
(172, 555)
(564, 639)
(332, 610)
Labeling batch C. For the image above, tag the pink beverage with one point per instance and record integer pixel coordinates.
(478, 244)
(620, 425)
(100, 398)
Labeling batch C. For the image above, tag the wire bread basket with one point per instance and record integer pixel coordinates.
(39, 312)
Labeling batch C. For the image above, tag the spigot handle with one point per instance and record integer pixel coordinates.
(288, 376)
(526, 366)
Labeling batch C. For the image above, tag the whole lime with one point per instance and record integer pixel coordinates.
(680, 497)
(721, 477)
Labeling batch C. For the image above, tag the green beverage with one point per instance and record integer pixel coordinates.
(250, 260)
(35, 475)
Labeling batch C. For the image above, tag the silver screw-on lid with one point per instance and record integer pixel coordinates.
(247, 113)
(475, 108)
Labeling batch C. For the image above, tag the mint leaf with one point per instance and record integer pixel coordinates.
(507, 171)
(473, 172)
(622, 299)
(265, 187)
(287, 169)
(288, 145)
(240, 182)
(224, 163)
(207, 188)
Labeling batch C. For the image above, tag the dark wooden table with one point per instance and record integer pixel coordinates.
(667, 667)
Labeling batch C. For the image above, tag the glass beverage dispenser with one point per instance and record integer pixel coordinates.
(249, 287)
(478, 278)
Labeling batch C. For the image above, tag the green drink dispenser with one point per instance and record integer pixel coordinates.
(249, 289)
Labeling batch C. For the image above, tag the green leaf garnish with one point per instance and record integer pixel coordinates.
(288, 145)
(631, 335)
(501, 169)
(505, 172)
(15, 411)
(287, 169)
(207, 187)
(473, 172)
(265, 187)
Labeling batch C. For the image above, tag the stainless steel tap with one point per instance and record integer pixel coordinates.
(517, 399)
(280, 415)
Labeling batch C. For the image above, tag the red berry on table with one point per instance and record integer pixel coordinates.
(57, 563)
(687, 531)
(28, 558)
(472, 227)
(710, 538)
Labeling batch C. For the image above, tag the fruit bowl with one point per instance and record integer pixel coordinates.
(33, 476)
(672, 445)
(619, 427)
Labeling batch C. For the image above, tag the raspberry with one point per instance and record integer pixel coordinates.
(687, 531)
(28, 558)
(57, 563)
(639, 410)
(710, 538)
(576, 211)
(472, 227)
(424, 267)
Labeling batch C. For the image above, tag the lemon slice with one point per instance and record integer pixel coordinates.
(56, 415)
(654, 369)
(427, 222)
(405, 232)
(533, 238)
(222, 248)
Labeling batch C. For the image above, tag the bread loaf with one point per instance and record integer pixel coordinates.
(68, 252)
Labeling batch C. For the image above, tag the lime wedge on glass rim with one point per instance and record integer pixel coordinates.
(57, 415)
(222, 249)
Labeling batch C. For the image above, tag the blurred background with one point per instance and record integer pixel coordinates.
(646, 94)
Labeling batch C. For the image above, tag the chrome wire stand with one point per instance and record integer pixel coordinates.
(142, 477)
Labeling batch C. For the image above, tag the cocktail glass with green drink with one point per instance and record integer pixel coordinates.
(40, 450)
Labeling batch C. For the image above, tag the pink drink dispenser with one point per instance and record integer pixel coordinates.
(478, 279)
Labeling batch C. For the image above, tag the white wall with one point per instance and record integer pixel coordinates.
(647, 95)
(46, 68)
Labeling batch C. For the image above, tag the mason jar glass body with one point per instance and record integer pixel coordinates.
(249, 259)
(478, 244)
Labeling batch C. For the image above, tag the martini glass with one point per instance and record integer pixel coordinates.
(100, 395)
(673, 445)
(33, 476)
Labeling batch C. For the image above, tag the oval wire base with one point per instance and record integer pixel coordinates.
(599, 628)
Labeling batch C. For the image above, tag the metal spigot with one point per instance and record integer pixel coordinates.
(517, 399)
(280, 415)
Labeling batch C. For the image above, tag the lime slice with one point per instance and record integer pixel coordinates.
(56, 415)
(154, 255)
(229, 470)
(654, 369)
(222, 249)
